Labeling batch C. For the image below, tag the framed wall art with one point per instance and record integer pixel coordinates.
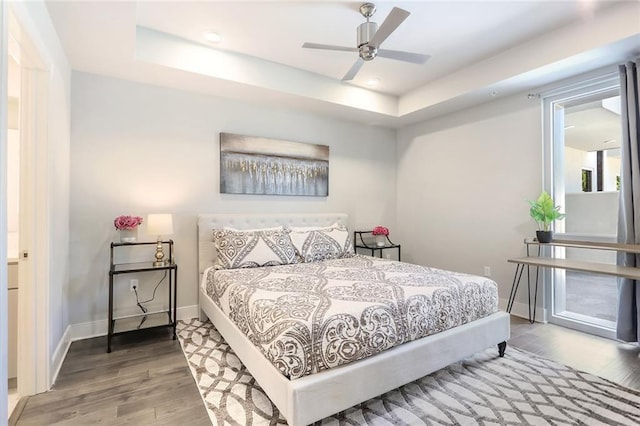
(256, 165)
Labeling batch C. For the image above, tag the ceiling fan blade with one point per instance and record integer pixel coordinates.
(414, 58)
(393, 21)
(329, 47)
(354, 70)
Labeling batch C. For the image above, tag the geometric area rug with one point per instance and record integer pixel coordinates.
(519, 389)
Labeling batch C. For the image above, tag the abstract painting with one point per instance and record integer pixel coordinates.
(256, 165)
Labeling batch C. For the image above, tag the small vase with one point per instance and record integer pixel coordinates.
(381, 240)
(129, 235)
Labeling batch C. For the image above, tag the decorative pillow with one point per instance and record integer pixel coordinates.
(323, 244)
(250, 249)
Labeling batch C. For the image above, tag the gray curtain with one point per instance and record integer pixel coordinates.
(628, 328)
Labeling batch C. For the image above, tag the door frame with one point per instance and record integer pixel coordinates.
(34, 352)
(4, 320)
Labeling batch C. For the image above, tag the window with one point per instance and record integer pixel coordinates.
(582, 169)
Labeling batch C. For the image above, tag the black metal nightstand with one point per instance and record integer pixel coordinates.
(360, 243)
(166, 318)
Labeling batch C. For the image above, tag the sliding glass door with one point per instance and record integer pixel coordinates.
(584, 159)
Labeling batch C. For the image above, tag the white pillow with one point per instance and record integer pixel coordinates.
(322, 244)
(251, 249)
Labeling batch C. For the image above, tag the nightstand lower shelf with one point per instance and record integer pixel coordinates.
(141, 322)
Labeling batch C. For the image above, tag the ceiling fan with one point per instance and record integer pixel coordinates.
(370, 37)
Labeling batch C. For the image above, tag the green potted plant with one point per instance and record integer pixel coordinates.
(544, 212)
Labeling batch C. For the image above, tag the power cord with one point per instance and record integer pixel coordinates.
(153, 296)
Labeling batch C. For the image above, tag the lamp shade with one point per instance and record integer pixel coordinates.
(160, 224)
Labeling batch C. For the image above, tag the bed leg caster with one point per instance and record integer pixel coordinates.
(502, 346)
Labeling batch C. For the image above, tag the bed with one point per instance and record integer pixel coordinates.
(318, 392)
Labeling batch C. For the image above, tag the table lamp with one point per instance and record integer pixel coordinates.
(160, 224)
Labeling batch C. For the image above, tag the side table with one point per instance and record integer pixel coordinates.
(360, 243)
(167, 318)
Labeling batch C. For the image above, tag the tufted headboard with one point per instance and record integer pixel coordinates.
(208, 222)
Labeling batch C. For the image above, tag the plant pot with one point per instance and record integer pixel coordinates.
(381, 240)
(544, 236)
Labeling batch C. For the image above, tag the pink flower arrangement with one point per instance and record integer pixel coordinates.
(127, 222)
(380, 230)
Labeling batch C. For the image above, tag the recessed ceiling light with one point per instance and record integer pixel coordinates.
(212, 37)
(609, 141)
(568, 127)
(372, 81)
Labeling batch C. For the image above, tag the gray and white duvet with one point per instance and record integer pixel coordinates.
(310, 317)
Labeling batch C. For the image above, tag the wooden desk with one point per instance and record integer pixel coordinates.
(568, 264)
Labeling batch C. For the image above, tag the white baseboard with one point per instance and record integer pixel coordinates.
(522, 310)
(87, 330)
(59, 355)
(91, 329)
(188, 312)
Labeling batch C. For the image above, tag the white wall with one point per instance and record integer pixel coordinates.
(463, 182)
(592, 213)
(611, 171)
(575, 160)
(139, 149)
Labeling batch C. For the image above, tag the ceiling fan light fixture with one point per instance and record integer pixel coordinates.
(370, 37)
(212, 37)
(367, 53)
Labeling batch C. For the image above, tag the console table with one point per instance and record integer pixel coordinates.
(568, 264)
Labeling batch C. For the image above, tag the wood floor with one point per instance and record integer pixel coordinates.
(147, 382)
(618, 362)
(144, 380)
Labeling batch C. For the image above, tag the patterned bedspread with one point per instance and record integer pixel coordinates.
(310, 317)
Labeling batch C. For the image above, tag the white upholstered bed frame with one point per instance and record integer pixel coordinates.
(311, 398)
